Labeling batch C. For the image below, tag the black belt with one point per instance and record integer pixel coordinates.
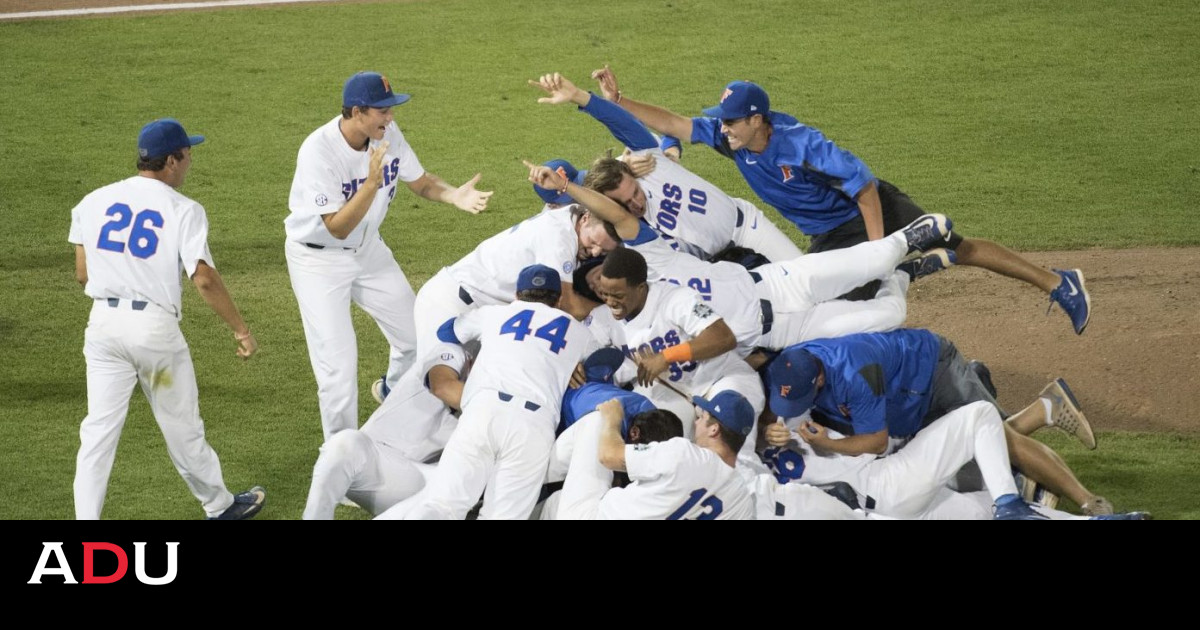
(315, 246)
(741, 218)
(465, 297)
(528, 405)
(756, 276)
(768, 316)
(137, 305)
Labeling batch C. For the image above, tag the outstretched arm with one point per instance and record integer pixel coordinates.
(465, 197)
(604, 208)
(713, 341)
(623, 125)
(210, 287)
(657, 118)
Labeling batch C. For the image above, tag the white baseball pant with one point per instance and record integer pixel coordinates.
(123, 346)
(586, 479)
(758, 233)
(325, 282)
(438, 300)
(353, 465)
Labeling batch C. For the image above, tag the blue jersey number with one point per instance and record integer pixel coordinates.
(143, 240)
(713, 505)
(519, 326)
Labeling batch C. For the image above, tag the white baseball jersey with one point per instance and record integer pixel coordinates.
(725, 286)
(329, 172)
(491, 270)
(677, 480)
(687, 208)
(673, 315)
(411, 419)
(529, 351)
(138, 234)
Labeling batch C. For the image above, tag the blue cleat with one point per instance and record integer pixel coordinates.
(1072, 295)
(245, 505)
(1011, 507)
(930, 263)
(927, 231)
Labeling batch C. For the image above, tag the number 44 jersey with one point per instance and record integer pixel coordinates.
(137, 235)
(677, 480)
(529, 350)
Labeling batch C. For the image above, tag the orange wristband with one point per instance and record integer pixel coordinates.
(679, 353)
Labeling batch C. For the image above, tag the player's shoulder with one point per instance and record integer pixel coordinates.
(322, 138)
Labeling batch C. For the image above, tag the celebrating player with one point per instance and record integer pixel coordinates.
(825, 190)
(346, 176)
(131, 240)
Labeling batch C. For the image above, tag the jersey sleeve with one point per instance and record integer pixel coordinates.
(404, 160)
(469, 325)
(687, 308)
(815, 153)
(450, 355)
(647, 462)
(627, 129)
(193, 238)
(75, 234)
(316, 188)
(707, 130)
(867, 403)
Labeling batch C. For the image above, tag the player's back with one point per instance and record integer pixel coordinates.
(529, 350)
(678, 480)
(133, 232)
(491, 270)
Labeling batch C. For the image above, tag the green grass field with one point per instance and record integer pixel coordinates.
(1040, 125)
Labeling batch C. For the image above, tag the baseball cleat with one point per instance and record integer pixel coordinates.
(245, 505)
(929, 263)
(927, 231)
(1011, 507)
(380, 390)
(1065, 413)
(1097, 506)
(1124, 516)
(1072, 295)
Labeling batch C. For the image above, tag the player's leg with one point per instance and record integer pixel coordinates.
(466, 463)
(795, 501)
(760, 234)
(836, 318)
(561, 454)
(523, 440)
(1055, 407)
(393, 479)
(586, 479)
(383, 291)
(347, 456)
(169, 382)
(110, 381)
(322, 282)
(439, 299)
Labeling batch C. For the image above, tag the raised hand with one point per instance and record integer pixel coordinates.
(545, 177)
(375, 168)
(465, 197)
(608, 83)
(650, 365)
(641, 165)
(559, 89)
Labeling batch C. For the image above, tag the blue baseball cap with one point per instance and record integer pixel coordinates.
(602, 364)
(731, 409)
(568, 171)
(164, 137)
(370, 89)
(740, 99)
(792, 381)
(539, 277)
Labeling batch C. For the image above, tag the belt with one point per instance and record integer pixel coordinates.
(528, 405)
(465, 297)
(315, 246)
(756, 276)
(137, 305)
(768, 316)
(741, 218)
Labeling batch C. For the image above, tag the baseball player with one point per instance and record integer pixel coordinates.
(880, 389)
(559, 239)
(346, 176)
(826, 191)
(132, 239)
(681, 205)
(777, 304)
(511, 402)
(382, 464)
(672, 480)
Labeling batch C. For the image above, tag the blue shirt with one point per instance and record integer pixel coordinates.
(802, 174)
(875, 381)
(578, 403)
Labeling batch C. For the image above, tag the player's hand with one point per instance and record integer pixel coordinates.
(672, 153)
(611, 410)
(465, 197)
(778, 434)
(650, 365)
(607, 81)
(641, 165)
(247, 344)
(578, 377)
(813, 433)
(545, 177)
(375, 172)
(559, 89)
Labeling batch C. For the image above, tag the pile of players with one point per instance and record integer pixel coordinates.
(647, 346)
